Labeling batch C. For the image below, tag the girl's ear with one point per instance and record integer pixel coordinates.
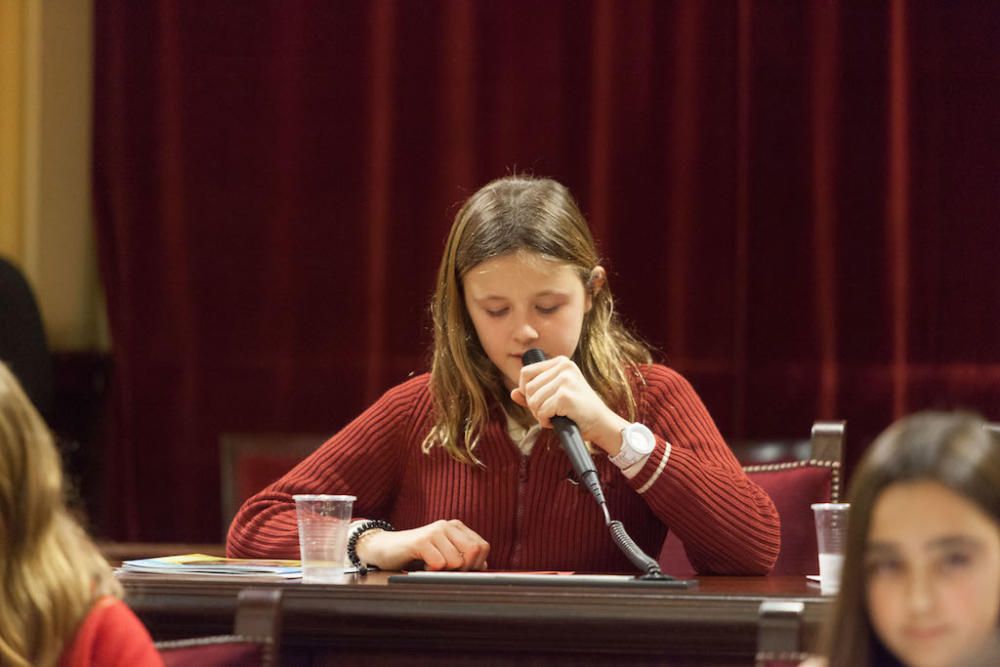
(598, 277)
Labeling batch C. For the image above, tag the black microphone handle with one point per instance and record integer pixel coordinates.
(532, 356)
(576, 451)
(572, 441)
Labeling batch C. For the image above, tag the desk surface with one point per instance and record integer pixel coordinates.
(365, 619)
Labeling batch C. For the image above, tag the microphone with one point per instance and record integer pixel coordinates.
(583, 465)
(572, 442)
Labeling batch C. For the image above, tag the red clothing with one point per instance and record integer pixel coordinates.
(110, 636)
(533, 517)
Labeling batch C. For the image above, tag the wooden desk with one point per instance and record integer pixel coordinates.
(369, 621)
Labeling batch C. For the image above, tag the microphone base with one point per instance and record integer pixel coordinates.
(666, 581)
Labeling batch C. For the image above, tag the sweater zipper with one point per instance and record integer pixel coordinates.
(522, 483)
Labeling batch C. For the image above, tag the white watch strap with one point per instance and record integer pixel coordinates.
(627, 457)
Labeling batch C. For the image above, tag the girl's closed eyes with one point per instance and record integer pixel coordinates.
(544, 310)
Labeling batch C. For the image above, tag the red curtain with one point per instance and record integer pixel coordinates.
(797, 203)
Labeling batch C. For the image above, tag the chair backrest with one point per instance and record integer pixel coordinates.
(759, 452)
(255, 642)
(251, 461)
(793, 486)
(22, 337)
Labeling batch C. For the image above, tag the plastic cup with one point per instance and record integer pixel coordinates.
(323, 522)
(831, 538)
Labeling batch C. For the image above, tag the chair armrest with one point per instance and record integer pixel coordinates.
(258, 614)
(256, 638)
(779, 633)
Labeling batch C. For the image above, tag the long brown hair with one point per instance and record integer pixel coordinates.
(50, 571)
(508, 215)
(955, 450)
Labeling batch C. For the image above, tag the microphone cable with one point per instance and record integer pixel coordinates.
(634, 553)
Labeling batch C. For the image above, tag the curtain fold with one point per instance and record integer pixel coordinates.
(796, 203)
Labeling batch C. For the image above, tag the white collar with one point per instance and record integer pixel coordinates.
(524, 439)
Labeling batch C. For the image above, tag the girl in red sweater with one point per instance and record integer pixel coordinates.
(59, 601)
(462, 461)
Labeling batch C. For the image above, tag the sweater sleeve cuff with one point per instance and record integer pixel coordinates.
(645, 473)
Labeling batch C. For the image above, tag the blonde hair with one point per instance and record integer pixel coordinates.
(508, 215)
(50, 570)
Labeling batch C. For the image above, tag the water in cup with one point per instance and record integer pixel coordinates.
(830, 567)
(323, 525)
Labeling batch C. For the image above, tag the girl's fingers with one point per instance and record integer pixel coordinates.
(517, 396)
(432, 557)
(530, 373)
(470, 545)
(453, 557)
(531, 384)
(543, 375)
(552, 406)
(451, 545)
(552, 393)
(537, 400)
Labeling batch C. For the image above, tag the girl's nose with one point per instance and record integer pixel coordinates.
(525, 333)
(920, 593)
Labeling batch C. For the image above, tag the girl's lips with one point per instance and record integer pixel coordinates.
(925, 633)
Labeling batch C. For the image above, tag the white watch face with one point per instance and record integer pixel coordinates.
(639, 439)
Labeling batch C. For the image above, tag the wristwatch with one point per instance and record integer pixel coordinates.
(637, 442)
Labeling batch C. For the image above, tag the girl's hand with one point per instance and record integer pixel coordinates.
(557, 387)
(442, 545)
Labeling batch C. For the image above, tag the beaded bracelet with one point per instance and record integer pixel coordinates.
(352, 543)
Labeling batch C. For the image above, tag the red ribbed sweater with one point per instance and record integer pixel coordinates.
(110, 636)
(533, 517)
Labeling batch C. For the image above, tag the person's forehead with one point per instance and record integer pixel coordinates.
(518, 269)
(923, 512)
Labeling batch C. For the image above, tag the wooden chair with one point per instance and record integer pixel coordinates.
(255, 642)
(793, 486)
(779, 634)
(251, 461)
(22, 337)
